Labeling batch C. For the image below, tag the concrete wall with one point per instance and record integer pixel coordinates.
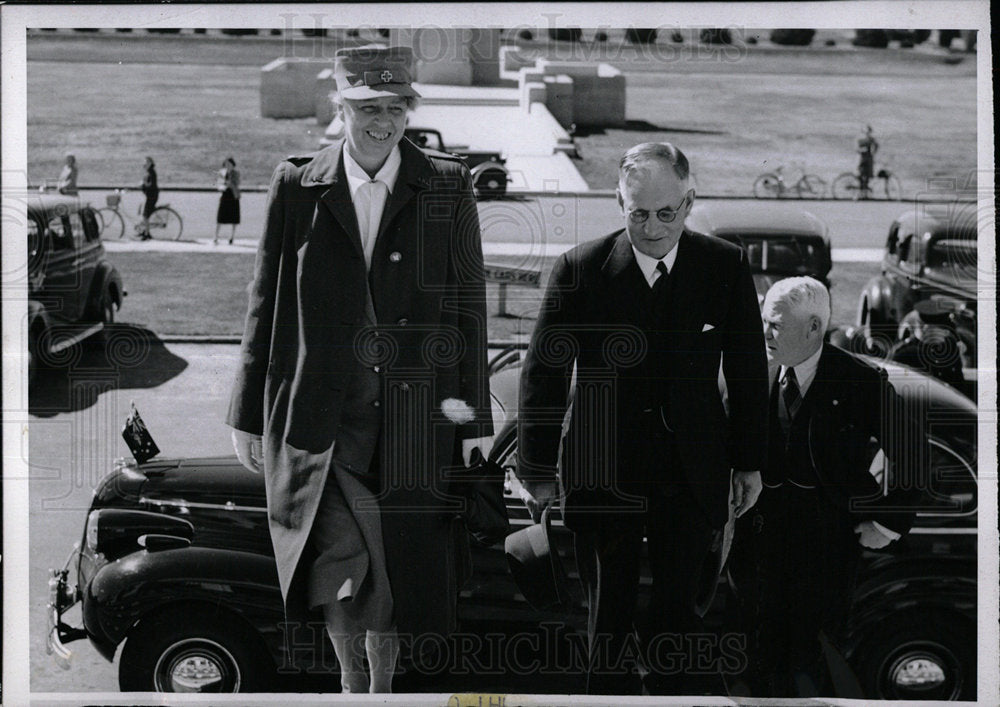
(288, 87)
(581, 93)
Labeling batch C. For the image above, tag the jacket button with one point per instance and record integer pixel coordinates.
(377, 369)
(395, 256)
(402, 321)
(376, 403)
(404, 386)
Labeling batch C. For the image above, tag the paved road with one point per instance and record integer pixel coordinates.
(75, 423)
(529, 222)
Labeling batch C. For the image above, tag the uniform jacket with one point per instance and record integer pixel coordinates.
(853, 411)
(594, 317)
(305, 336)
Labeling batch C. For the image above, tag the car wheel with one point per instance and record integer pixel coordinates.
(193, 651)
(930, 658)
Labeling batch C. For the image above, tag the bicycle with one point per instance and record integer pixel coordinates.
(772, 185)
(164, 223)
(848, 186)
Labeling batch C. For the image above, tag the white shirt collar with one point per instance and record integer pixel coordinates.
(648, 264)
(356, 175)
(805, 372)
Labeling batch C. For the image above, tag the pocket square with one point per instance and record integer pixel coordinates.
(707, 327)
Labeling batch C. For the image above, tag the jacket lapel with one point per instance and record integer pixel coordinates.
(327, 170)
(627, 286)
(415, 172)
(685, 307)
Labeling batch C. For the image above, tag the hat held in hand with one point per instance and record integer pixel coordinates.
(536, 566)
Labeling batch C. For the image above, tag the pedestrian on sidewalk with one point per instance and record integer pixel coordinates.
(67, 178)
(151, 189)
(229, 202)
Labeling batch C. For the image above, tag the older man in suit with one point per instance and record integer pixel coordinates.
(829, 411)
(645, 315)
(363, 376)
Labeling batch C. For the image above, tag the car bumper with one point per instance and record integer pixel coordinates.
(62, 597)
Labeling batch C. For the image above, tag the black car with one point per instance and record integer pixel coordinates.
(781, 240)
(73, 289)
(930, 253)
(176, 562)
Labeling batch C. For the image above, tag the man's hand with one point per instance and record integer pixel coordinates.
(483, 444)
(746, 489)
(871, 537)
(538, 498)
(249, 450)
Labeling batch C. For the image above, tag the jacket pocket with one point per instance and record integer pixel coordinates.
(314, 414)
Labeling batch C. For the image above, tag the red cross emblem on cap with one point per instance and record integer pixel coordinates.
(386, 76)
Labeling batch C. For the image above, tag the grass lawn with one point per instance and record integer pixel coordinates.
(196, 294)
(735, 114)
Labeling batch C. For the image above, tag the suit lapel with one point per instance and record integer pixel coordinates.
(327, 169)
(626, 285)
(685, 287)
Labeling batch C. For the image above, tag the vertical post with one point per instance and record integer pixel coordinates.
(502, 299)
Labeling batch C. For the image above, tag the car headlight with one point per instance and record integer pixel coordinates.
(93, 524)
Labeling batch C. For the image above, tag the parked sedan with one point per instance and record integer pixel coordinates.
(175, 562)
(781, 240)
(930, 252)
(73, 289)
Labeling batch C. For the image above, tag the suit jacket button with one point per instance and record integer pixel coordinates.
(402, 321)
(395, 256)
(377, 369)
(404, 386)
(376, 403)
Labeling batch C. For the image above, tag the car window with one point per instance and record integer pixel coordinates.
(76, 228)
(34, 243)
(953, 252)
(90, 229)
(893, 240)
(904, 247)
(785, 255)
(60, 233)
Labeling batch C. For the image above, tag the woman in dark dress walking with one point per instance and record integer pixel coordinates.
(229, 203)
(151, 189)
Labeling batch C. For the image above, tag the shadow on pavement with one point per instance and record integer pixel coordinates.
(127, 357)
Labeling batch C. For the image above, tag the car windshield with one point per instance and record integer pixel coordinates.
(787, 255)
(952, 253)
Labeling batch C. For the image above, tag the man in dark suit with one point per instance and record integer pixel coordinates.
(829, 413)
(646, 315)
(363, 374)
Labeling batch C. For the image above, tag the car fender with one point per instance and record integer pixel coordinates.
(894, 586)
(483, 166)
(106, 275)
(38, 316)
(122, 592)
(876, 294)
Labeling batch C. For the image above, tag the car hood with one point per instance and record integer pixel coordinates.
(196, 482)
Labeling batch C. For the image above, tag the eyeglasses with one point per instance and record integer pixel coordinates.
(664, 215)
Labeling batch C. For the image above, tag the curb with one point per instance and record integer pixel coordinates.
(232, 339)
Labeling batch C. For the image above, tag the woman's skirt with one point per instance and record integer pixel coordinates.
(229, 208)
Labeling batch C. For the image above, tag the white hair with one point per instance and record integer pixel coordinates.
(804, 294)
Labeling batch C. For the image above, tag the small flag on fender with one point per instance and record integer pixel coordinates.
(137, 437)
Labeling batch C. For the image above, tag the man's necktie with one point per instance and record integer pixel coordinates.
(790, 392)
(661, 281)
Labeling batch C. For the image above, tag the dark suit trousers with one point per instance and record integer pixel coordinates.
(608, 558)
(808, 555)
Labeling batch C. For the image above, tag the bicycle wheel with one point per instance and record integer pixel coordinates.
(165, 224)
(846, 186)
(811, 186)
(767, 186)
(111, 222)
(893, 188)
